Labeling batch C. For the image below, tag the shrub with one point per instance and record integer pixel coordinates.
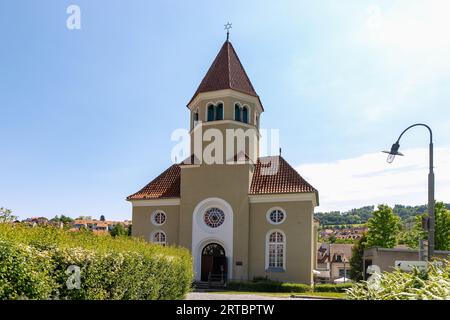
(398, 285)
(341, 287)
(265, 285)
(33, 264)
(25, 273)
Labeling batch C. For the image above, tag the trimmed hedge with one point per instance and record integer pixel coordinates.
(34, 262)
(341, 287)
(267, 286)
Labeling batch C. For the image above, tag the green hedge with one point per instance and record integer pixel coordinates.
(267, 286)
(33, 264)
(342, 287)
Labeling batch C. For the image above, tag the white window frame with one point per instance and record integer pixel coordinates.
(223, 109)
(206, 111)
(152, 217)
(280, 269)
(273, 209)
(248, 114)
(214, 104)
(195, 122)
(152, 237)
(240, 111)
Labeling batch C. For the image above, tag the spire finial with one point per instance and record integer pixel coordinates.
(228, 26)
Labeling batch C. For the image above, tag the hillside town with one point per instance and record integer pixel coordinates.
(100, 226)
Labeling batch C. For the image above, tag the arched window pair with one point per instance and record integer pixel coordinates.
(215, 112)
(275, 250)
(240, 113)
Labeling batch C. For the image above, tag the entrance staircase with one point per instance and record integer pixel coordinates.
(215, 282)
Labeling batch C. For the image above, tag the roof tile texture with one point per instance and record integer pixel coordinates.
(226, 72)
(273, 175)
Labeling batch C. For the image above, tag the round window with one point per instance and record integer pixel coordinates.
(214, 217)
(159, 218)
(276, 216)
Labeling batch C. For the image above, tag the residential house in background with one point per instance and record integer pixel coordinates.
(333, 262)
(98, 226)
(345, 233)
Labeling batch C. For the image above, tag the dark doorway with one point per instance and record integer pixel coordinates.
(214, 263)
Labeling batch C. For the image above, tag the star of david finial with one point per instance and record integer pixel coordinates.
(228, 26)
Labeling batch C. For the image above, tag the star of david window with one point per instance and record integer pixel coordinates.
(214, 217)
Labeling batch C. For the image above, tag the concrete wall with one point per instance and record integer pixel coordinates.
(385, 258)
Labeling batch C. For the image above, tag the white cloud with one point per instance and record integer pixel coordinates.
(368, 179)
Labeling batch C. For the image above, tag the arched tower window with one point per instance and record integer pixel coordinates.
(219, 111)
(195, 117)
(211, 112)
(237, 112)
(245, 114)
(275, 250)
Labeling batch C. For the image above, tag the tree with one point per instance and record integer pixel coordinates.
(6, 215)
(383, 228)
(442, 228)
(332, 238)
(356, 261)
(119, 230)
(64, 219)
(102, 218)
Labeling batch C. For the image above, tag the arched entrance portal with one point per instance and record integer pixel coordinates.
(214, 263)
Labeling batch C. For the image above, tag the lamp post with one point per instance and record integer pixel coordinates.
(394, 152)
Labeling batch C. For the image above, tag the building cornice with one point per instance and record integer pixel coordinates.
(263, 198)
(155, 202)
(225, 93)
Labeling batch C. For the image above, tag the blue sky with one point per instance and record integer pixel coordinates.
(80, 109)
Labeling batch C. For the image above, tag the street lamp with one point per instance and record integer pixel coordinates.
(394, 152)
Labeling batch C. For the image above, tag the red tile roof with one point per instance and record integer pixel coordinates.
(226, 72)
(266, 180)
(274, 175)
(166, 185)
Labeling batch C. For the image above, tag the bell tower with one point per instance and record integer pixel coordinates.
(225, 104)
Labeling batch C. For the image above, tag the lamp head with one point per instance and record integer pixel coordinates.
(394, 152)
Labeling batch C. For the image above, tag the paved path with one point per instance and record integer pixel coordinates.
(224, 296)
